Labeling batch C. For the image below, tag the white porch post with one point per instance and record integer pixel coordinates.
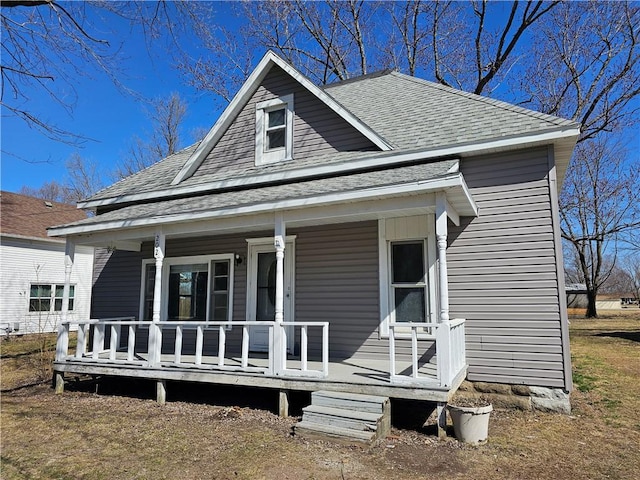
(158, 254)
(441, 238)
(279, 243)
(69, 254)
(155, 339)
(62, 344)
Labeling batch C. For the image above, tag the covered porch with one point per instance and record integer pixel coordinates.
(422, 359)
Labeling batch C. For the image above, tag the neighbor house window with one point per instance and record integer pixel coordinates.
(274, 130)
(194, 288)
(47, 297)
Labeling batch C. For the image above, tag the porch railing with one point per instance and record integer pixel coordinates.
(450, 350)
(134, 353)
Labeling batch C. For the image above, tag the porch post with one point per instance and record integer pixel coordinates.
(441, 237)
(69, 254)
(279, 243)
(158, 254)
(154, 333)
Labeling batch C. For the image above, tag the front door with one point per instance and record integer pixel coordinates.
(262, 291)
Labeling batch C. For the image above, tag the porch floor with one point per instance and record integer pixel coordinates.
(353, 375)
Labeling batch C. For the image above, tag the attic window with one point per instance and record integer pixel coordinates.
(274, 130)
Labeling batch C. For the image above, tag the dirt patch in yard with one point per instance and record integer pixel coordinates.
(233, 433)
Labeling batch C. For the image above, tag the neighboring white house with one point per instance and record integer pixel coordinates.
(32, 266)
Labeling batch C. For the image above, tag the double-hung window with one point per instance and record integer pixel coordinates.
(196, 288)
(274, 130)
(407, 271)
(47, 297)
(408, 281)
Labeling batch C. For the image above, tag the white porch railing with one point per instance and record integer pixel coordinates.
(450, 350)
(152, 356)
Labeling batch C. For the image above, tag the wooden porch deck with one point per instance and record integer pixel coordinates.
(115, 351)
(354, 375)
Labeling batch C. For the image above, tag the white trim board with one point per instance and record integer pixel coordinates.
(443, 183)
(389, 160)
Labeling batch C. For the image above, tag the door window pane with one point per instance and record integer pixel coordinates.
(266, 287)
(220, 290)
(188, 292)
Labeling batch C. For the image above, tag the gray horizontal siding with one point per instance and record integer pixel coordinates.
(503, 274)
(337, 281)
(116, 284)
(317, 129)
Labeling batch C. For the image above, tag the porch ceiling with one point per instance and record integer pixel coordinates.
(407, 190)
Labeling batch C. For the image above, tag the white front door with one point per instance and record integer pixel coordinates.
(261, 291)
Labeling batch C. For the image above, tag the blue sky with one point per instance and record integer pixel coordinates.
(103, 113)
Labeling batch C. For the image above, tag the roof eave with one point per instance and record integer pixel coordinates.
(464, 205)
(565, 134)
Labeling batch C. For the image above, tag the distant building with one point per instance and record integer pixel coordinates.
(32, 266)
(576, 295)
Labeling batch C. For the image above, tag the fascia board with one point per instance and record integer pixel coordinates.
(423, 186)
(242, 97)
(31, 238)
(226, 119)
(383, 160)
(333, 104)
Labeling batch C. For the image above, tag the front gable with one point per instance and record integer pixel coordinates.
(319, 125)
(317, 129)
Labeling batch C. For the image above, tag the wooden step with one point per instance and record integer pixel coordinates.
(321, 431)
(340, 417)
(350, 401)
(346, 416)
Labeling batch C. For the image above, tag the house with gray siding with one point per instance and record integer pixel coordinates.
(383, 235)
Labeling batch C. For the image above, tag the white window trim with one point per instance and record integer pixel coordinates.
(384, 262)
(264, 157)
(166, 266)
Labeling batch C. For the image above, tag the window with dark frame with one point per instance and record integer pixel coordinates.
(276, 129)
(47, 297)
(408, 281)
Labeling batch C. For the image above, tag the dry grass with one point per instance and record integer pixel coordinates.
(126, 435)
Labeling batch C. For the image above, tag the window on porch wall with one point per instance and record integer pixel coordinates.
(408, 281)
(190, 292)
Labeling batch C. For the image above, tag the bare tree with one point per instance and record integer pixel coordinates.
(47, 45)
(632, 268)
(585, 65)
(475, 52)
(599, 202)
(82, 178)
(52, 190)
(166, 116)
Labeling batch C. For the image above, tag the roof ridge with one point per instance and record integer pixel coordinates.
(488, 100)
(359, 78)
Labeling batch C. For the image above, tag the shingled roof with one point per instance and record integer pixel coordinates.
(411, 114)
(29, 217)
